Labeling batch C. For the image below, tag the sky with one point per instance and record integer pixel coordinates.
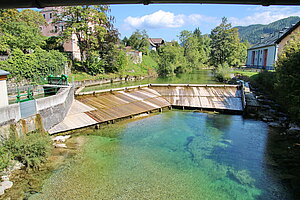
(167, 20)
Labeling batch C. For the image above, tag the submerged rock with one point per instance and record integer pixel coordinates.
(6, 184)
(294, 129)
(60, 145)
(275, 124)
(61, 138)
(5, 178)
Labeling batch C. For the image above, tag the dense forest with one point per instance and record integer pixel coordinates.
(253, 33)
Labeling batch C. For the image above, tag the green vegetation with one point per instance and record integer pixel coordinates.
(98, 50)
(21, 39)
(226, 48)
(171, 59)
(196, 48)
(242, 72)
(222, 73)
(283, 84)
(147, 67)
(253, 33)
(31, 150)
(138, 41)
(34, 66)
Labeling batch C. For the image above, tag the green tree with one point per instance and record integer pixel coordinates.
(288, 76)
(171, 59)
(139, 40)
(225, 45)
(90, 24)
(196, 48)
(20, 30)
(34, 66)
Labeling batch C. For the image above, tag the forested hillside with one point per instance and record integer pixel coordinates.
(253, 33)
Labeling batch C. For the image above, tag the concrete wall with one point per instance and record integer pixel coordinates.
(50, 111)
(53, 109)
(10, 114)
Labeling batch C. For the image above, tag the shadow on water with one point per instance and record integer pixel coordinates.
(283, 158)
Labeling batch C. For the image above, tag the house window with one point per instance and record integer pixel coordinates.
(44, 16)
(61, 28)
(55, 29)
(50, 15)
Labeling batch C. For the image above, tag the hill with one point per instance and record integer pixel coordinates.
(253, 33)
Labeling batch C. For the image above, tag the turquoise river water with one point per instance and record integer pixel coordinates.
(174, 155)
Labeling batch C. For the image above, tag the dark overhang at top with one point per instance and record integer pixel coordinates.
(50, 3)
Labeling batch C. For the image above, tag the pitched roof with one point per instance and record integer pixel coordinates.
(156, 41)
(288, 32)
(275, 37)
(3, 73)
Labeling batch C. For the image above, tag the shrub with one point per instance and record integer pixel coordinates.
(265, 79)
(5, 158)
(34, 66)
(31, 150)
(222, 73)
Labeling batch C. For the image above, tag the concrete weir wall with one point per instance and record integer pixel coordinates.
(48, 112)
(53, 109)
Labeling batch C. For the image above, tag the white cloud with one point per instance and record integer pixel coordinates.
(163, 19)
(265, 15)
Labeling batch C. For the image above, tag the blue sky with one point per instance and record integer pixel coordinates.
(167, 20)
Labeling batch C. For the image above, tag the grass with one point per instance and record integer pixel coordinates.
(244, 72)
(147, 67)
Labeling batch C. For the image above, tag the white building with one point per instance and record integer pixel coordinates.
(155, 43)
(264, 54)
(55, 29)
(3, 88)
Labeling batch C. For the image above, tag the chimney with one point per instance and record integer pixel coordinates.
(261, 39)
(280, 34)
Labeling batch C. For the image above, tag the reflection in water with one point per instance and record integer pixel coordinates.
(221, 122)
(174, 155)
(198, 77)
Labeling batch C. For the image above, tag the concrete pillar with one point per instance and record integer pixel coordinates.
(3, 88)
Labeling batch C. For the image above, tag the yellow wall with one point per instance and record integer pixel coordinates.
(286, 39)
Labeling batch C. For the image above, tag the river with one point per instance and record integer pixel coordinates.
(174, 155)
(197, 77)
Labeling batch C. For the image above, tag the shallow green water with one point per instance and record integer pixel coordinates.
(198, 77)
(173, 155)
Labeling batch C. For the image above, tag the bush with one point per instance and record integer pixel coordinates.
(34, 66)
(222, 73)
(265, 80)
(288, 76)
(31, 150)
(5, 158)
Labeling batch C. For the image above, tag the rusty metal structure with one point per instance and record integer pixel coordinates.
(50, 3)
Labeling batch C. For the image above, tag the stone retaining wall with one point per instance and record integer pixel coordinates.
(49, 112)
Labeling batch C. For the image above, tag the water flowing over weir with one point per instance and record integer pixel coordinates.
(108, 105)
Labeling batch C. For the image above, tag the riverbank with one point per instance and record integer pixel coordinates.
(29, 182)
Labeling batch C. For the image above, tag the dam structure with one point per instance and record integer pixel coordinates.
(106, 106)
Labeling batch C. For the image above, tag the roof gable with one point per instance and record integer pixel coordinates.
(287, 32)
(275, 37)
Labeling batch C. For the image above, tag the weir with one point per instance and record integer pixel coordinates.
(106, 106)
